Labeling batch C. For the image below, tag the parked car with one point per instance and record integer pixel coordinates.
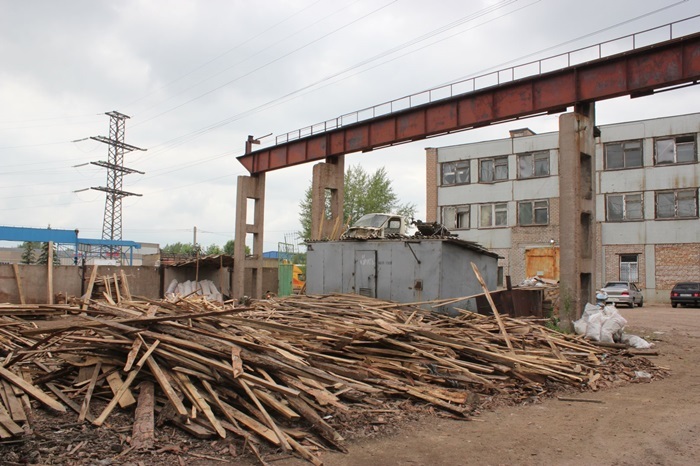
(623, 293)
(685, 293)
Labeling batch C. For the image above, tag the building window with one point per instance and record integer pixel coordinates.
(621, 207)
(493, 215)
(533, 165)
(629, 267)
(682, 203)
(678, 149)
(456, 217)
(495, 169)
(533, 213)
(455, 172)
(627, 154)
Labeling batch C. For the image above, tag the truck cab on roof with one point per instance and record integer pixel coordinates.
(377, 226)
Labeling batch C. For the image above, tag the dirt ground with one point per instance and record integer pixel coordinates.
(637, 424)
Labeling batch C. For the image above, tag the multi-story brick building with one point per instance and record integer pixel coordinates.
(504, 194)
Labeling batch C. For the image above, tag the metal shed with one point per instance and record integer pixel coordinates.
(402, 270)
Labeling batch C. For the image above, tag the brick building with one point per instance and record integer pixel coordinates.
(504, 194)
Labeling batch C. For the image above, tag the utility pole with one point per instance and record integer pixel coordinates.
(112, 223)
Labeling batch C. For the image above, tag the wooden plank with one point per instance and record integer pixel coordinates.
(115, 383)
(125, 286)
(201, 403)
(125, 386)
(116, 288)
(65, 399)
(85, 408)
(13, 403)
(496, 314)
(162, 379)
(49, 279)
(18, 280)
(131, 357)
(91, 284)
(271, 423)
(31, 390)
(8, 424)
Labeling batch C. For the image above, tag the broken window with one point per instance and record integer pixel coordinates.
(620, 207)
(533, 165)
(682, 203)
(627, 154)
(533, 213)
(455, 172)
(493, 215)
(677, 149)
(456, 217)
(495, 169)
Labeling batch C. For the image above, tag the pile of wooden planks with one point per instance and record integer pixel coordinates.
(277, 372)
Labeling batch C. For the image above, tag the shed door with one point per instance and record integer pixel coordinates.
(366, 273)
(542, 262)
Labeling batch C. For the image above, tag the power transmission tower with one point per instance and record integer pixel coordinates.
(112, 223)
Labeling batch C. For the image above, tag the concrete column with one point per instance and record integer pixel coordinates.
(328, 182)
(432, 170)
(249, 187)
(577, 219)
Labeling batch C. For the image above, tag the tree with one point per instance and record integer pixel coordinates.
(230, 247)
(44, 256)
(213, 249)
(28, 248)
(178, 248)
(364, 194)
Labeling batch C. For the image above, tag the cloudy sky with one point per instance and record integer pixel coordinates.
(196, 77)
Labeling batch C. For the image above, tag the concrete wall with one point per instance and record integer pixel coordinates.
(148, 282)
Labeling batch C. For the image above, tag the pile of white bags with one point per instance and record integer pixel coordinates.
(605, 324)
(204, 288)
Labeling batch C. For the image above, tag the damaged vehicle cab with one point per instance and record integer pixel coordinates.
(377, 226)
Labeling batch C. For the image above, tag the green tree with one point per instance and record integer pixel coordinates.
(178, 248)
(230, 247)
(364, 194)
(28, 256)
(44, 256)
(213, 249)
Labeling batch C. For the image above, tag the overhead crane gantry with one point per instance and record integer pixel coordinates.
(640, 71)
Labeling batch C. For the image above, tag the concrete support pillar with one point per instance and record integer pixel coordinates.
(432, 170)
(249, 187)
(576, 212)
(327, 194)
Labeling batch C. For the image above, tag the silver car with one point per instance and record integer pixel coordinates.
(623, 293)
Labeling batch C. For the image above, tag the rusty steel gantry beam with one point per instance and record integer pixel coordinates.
(637, 72)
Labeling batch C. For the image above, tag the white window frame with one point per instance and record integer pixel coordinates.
(457, 167)
(683, 194)
(495, 209)
(531, 158)
(456, 217)
(629, 270)
(666, 149)
(627, 147)
(627, 200)
(496, 162)
(535, 205)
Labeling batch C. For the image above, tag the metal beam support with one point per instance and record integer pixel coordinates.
(637, 72)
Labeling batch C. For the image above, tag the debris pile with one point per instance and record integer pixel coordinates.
(281, 373)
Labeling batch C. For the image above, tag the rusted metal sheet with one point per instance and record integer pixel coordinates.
(542, 262)
(635, 72)
(519, 302)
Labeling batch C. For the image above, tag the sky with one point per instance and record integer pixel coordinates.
(197, 77)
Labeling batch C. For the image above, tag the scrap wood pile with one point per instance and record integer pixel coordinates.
(280, 372)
